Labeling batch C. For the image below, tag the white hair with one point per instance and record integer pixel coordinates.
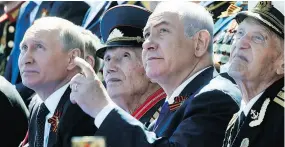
(195, 17)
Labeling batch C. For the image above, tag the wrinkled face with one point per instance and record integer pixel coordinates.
(42, 61)
(123, 72)
(166, 50)
(255, 56)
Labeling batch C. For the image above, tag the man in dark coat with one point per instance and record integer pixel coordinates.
(46, 66)
(257, 66)
(30, 11)
(14, 115)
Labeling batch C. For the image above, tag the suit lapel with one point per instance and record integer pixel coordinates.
(57, 115)
(253, 123)
(71, 115)
(35, 103)
(197, 83)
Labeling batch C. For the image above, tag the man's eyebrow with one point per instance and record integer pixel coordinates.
(164, 22)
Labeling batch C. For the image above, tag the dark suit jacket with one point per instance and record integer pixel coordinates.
(73, 11)
(13, 115)
(200, 121)
(72, 122)
(268, 130)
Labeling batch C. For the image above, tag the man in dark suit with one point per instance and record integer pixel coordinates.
(177, 54)
(14, 115)
(73, 11)
(46, 66)
(257, 66)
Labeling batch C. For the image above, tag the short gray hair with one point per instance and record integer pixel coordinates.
(195, 18)
(90, 41)
(68, 32)
(92, 44)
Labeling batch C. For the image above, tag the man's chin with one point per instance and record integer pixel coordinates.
(29, 84)
(236, 74)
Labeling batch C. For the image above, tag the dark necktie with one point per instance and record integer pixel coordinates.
(241, 119)
(41, 119)
(164, 111)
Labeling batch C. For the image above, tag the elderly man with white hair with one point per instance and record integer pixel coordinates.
(46, 65)
(177, 54)
(257, 66)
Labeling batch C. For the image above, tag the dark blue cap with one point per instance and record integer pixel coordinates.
(122, 26)
(266, 14)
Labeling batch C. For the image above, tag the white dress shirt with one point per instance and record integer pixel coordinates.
(107, 109)
(51, 103)
(246, 107)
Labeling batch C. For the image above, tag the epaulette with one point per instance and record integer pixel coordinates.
(279, 99)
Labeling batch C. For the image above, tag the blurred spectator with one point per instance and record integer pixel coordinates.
(14, 115)
(94, 14)
(7, 30)
(92, 43)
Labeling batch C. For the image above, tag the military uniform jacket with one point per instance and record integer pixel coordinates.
(72, 121)
(199, 121)
(264, 124)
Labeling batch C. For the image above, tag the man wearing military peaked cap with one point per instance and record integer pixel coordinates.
(257, 66)
(123, 72)
(122, 26)
(267, 15)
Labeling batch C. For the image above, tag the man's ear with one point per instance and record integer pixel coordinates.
(72, 54)
(203, 39)
(280, 65)
(90, 60)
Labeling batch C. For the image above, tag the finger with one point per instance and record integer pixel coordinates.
(86, 68)
(78, 78)
(72, 98)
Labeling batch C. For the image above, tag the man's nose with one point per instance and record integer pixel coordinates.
(244, 42)
(150, 43)
(27, 57)
(112, 65)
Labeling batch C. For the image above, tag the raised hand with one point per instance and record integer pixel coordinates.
(87, 90)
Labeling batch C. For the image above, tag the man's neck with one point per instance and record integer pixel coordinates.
(46, 90)
(250, 89)
(171, 82)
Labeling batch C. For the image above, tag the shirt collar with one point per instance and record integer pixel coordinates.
(52, 101)
(179, 89)
(246, 107)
